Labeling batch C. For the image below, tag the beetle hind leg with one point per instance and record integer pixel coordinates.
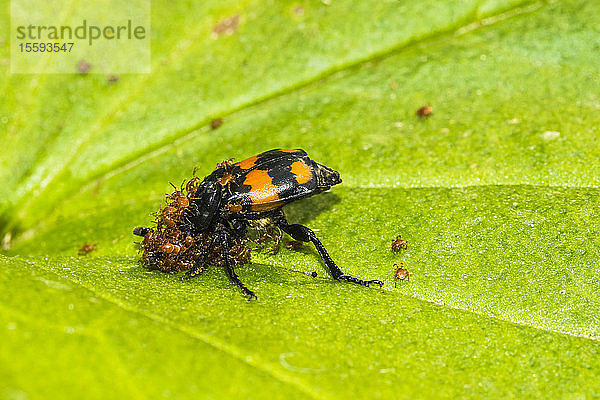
(304, 234)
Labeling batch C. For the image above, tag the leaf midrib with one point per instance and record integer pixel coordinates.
(46, 223)
(460, 26)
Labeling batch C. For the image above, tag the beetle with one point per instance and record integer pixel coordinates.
(235, 196)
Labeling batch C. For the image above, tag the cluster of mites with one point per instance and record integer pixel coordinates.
(400, 273)
(168, 249)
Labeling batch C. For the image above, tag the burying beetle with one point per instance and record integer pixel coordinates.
(207, 222)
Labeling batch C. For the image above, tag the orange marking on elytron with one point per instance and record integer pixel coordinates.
(262, 191)
(288, 151)
(248, 163)
(301, 171)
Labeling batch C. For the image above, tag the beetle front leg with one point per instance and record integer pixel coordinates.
(304, 234)
(231, 272)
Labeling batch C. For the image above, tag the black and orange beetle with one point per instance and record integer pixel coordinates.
(235, 194)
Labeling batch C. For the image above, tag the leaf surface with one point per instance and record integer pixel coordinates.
(496, 194)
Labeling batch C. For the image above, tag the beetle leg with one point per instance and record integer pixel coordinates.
(200, 261)
(229, 268)
(304, 234)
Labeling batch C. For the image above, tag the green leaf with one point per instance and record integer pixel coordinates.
(496, 194)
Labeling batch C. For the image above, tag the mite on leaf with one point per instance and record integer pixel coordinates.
(207, 222)
(294, 245)
(424, 112)
(399, 244)
(87, 248)
(400, 273)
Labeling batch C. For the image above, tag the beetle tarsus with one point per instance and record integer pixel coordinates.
(235, 279)
(349, 278)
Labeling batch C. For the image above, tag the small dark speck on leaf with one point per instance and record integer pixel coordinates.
(87, 248)
(424, 112)
(314, 274)
(216, 123)
(83, 67)
(226, 27)
(96, 188)
(112, 79)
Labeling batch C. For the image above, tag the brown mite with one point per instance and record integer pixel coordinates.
(294, 245)
(167, 221)
(168, 210)
(272, 233)
(170, 248)
(193, 184)
(183, 201)
(179, 198)
(177, 193)
(399, 244)
(189, 241)
(400, 273)
(424, 112)
(83, 67)
(216, 123)
(227, 180)
(233, 208)
(86, 248)
(225, 164)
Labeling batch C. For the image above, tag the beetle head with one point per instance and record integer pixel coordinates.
(326, 177)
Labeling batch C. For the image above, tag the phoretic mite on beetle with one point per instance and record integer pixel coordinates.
(207, 222)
